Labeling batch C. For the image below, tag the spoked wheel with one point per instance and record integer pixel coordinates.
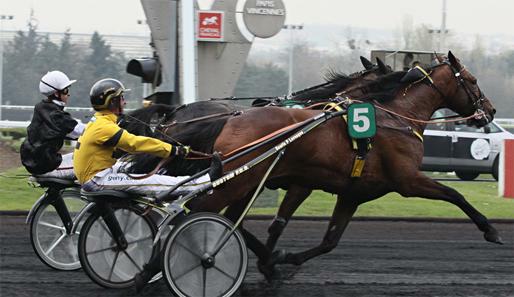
(191, 265)
(104, 261)
(52, 244)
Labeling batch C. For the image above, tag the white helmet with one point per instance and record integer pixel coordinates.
(54, 81)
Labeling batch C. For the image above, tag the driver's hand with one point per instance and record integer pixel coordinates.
(180, 151)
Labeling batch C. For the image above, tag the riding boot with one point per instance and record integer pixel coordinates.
(216, 170)
(149, 270)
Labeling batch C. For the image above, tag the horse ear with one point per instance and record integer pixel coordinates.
(366, 63)
(414, 74)
(383, 68)
(453, 60)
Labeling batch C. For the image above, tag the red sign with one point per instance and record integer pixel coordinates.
(507, 183)
(210, 25)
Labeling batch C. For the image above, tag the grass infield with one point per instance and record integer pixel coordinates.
(17, 194)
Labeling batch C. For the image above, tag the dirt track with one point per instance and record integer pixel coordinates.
(381, 258)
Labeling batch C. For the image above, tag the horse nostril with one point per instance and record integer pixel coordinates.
(494, 110)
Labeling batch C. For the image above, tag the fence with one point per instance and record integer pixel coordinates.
(508, 124)
(86, 112)
(21, 115)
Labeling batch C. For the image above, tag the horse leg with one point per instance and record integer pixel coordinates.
(343, 212)
(295, 196)
(233, 213)
(425, 187)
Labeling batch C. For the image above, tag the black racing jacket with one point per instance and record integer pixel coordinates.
(45, 137)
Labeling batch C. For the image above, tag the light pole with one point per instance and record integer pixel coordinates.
(442, 36)
(3, 18)
(291, 49)
(146, 86)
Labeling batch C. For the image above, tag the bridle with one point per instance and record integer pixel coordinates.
(477, 101)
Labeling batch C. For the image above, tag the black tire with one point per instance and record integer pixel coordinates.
(100, 257)
(187, 268)
(53, 246)
(495, 167)
(467, 175)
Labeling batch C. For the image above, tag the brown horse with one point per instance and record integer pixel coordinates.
(295, 194)
(323, 158)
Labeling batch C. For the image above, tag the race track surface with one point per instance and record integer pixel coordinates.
(374, 258)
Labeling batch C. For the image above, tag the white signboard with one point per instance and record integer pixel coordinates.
(264, 18)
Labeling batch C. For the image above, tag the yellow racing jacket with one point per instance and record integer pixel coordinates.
(102, 136)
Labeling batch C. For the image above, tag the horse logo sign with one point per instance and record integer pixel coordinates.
(361, 120)
(210, 25)
(210, 21)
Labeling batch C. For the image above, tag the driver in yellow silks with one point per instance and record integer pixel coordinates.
(94, 164)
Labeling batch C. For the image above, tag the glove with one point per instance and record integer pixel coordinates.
(180, 151)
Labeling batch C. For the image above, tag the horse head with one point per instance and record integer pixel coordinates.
(468, 99)
(457, 87)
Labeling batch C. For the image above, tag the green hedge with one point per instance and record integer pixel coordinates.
(13, 133)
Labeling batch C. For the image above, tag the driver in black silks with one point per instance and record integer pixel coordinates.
(49, 127)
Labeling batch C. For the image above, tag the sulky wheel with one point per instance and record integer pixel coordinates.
(104, 261)
(191, 265)
(52, 244)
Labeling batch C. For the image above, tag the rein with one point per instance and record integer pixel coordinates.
(154, 171)
(439, 120)
(221, 114)
(166, 161)
(232, 98)
(163, 133)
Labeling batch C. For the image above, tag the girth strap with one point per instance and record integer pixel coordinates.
(361, 146)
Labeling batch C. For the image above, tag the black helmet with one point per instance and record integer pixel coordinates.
(103, 91)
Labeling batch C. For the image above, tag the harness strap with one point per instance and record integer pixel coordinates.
(407, 129)
(361, 146)
(425, 73)
(292, 126)
(417, 134)
(312, 106)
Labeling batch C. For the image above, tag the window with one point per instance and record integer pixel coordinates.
(491, 127)
(438, 126)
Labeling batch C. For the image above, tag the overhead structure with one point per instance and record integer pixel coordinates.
(200, 53)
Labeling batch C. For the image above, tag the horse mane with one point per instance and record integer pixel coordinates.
(384, 88)
(334, 82)
(200, 136)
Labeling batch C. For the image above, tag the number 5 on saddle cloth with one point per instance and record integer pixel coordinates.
(360, 119)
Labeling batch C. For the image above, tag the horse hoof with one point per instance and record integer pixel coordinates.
(266, 270)
(493, 236)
